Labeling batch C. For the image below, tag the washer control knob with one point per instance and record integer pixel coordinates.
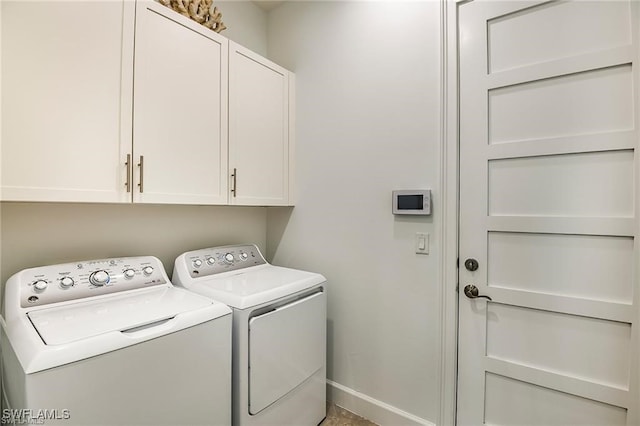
(40, 285)
(99, 278)
(229, 258)
(147, 270)
(244, 256)
(129, 273)
(211, 260)
(66, 282)
(197, 263)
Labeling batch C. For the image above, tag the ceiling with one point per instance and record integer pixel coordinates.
(267, 5)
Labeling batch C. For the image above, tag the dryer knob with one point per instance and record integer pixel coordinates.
(99, 278)
(40, 285)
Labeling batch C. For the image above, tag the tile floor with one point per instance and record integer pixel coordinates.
(338, 416)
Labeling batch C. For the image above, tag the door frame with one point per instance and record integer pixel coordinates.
(448, 209)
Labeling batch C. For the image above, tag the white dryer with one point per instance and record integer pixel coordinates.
(112, 342)
(279, 332)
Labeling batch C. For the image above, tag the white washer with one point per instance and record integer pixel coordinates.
(279, 332)
(112, 342)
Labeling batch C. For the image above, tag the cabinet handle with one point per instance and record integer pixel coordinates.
(141, 165)
(128, 165)
(235, 182)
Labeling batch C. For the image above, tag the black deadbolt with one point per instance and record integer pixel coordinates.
(471, 264)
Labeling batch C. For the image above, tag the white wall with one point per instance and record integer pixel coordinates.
(367, 81)
(246, 24)
(33, 234)
(36, 234)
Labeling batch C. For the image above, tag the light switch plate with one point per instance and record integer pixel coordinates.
(422, 243)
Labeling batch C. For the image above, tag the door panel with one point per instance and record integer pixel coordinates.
(559, 263)
(571, 28)
(576, 346)
(512, 402)
(66, 100)
(587, 102)
(600, 184)
(180, 109)
(548, 202)
(258, 129)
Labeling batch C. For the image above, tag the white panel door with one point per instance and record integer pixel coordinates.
(549, 182)
(258, 129)
(180, 109)
(67, 70)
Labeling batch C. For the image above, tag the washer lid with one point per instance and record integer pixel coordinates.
(77, 321)
(253, 286)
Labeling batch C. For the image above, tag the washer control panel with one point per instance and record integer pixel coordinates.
(69, 281)
(216, 260)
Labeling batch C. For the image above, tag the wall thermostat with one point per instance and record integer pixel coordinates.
(412, 201)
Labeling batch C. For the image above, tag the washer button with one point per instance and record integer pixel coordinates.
(99, 278)
(197, 263)
(66, 282)
(40, 285)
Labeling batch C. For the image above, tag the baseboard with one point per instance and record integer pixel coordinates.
(377, 411)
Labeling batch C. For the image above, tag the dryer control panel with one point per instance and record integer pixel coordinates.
(69, 281)
(216, 260)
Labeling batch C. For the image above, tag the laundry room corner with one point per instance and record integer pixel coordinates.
(319, 212)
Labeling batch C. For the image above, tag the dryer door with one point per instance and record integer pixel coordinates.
(286, 347)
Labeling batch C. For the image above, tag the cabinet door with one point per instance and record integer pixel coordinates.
(66, 100)
(258, 129)
(180, 109)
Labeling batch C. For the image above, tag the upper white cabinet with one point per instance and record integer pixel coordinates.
(122, 101)
(260, 144)
(66, 100)
(180, 109)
